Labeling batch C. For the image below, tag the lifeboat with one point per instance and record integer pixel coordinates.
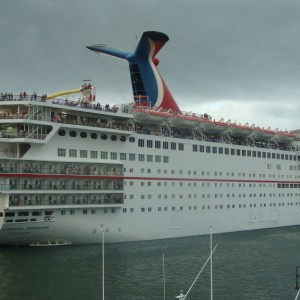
(241, 130)
(149, 116)
(261, 133)
(285, 137)
(184, 120)
(213, 127)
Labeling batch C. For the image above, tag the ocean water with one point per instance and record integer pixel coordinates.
(246, 265)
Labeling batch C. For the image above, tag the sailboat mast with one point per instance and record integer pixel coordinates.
(164, 276)
(211, 266)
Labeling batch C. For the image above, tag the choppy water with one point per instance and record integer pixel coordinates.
(248, 265)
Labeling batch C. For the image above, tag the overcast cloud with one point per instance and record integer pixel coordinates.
(235, 59)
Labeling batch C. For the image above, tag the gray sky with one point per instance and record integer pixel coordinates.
(235, 59)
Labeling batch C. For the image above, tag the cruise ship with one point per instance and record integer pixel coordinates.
(72, 169)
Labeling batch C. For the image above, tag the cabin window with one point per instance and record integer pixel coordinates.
(122, 156)
(9, 214)
(149, 158)
(72, 152)
(83, 134)
(131, 156)
(83, 153)
(23, 213)
(94, 154)
(73, 133)
(61, 152)
(149, 144)
(61, 132)
(157, 158)
(113, 156)
(104, 155)
(93, 135)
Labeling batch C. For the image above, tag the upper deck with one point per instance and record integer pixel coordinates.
(36, 119)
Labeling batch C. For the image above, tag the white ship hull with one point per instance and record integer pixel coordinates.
(69, 169)
(183, 196)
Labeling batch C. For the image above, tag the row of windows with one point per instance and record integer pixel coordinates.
(27, 213)
(158, 158)
(181, 208)
(204, 207)
(216, 184)
(208, 196)
(61, 152)
(28, 228)
(248, 153)
(160, 145)
(217, 174)
(113, 137)
(150, 209)
(93, 135)
(180, 146)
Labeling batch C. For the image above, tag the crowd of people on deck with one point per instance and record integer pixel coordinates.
(80, 103)
(22, 96)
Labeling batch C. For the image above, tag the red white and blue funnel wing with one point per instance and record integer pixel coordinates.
(146, 80)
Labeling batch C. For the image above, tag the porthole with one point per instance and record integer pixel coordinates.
(61, 132)
(103, 136)
(83, 134)
(123, 138)
(113, 138)
(131, 139)
(93, 135)
(73, 133)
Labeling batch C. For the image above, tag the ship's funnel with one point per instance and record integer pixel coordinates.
(145, 78)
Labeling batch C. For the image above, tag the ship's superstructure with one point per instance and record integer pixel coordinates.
(144, 170)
